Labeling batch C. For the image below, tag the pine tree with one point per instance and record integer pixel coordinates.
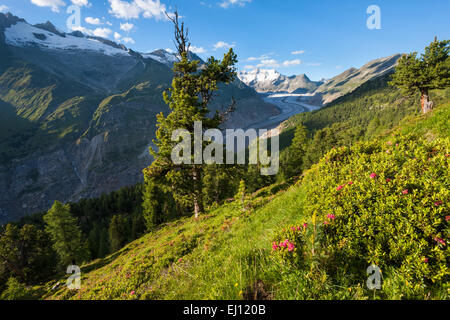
(26, 254)
(66, 235)
(118, 232)
(240, 196)
(188, 98)
(292, 159)
(220, 182)
(430, 71)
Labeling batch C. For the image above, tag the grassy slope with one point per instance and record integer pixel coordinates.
(222, 255)
(222, 249)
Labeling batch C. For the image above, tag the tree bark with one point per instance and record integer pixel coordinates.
(425, 102)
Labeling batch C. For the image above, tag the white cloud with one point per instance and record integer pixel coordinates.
(84, 30)
(263, 57)
(109, 23)
(290, 63)
(128, 40)
(98, 32)
(117, 36)
(81, 3)
(132, 10)
(268, 63)
(126, 26)
(94, 21)
(249, 67)
(228, 3)
(223, 45)
(102, 32)
(3, 8)
(298, 52)
(52, 4)
(197, 50)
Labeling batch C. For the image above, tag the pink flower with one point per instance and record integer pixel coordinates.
(438, 203)
(305, 225)
(274, 246)
(350, 183)
(325, 222)
(389, 143)
(132, 293)
(425, 260)
(405, 191)
(331, 216)
(439, 240)
(180, 260)
(447, 155)
(339, 188)
(388, 180)
(373, 176)
(447, 218)
(291, 247)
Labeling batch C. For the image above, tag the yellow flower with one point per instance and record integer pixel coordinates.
(236, 284)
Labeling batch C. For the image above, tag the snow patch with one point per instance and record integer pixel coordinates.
(23, 35)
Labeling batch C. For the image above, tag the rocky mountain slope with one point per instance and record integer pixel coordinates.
(75, 108)
(352, 78)
(269, 80)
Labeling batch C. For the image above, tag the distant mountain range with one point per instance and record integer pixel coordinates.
(269, 80)
(322, 92)
(77, 114)
(352, 78)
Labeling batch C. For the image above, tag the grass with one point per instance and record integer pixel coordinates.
(226, 254)
(223, 254)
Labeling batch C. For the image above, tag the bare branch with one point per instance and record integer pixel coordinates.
(181, 35)
(225, 116)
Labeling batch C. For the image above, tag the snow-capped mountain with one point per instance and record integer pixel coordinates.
(270, 80)
(22, 34)
(163, 56)
(74, 108)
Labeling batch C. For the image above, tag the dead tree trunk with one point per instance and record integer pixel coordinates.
(425, 102)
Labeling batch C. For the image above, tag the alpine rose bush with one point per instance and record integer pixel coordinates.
(289, 244)
(385, 208)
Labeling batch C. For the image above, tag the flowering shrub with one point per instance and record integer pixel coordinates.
(289, 244)
(387, 204)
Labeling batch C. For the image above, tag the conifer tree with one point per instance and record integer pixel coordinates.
(292, 159)
(118, 232)
(66, 235)
(192, 89)
(430, 71)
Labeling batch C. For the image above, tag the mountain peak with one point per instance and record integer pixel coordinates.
(270, 80)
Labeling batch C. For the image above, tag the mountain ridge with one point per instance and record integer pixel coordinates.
(82, 114)
(270, 80)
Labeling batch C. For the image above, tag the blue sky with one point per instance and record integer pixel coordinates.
(321, 38)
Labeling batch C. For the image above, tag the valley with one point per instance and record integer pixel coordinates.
(120, 178)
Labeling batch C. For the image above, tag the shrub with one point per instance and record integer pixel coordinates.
(289, 244)
(385, 203)
(15, 291)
